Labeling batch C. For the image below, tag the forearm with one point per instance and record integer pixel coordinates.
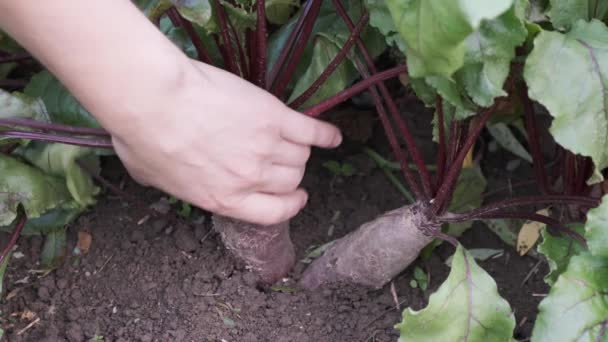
(106, 52)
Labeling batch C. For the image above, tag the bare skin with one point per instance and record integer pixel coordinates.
(188, 128)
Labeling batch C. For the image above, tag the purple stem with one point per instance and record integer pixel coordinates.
(29, 123)
(230, 56)
(357, 88)
(538, 218)
(441, 155)
(446, 188)
(521, 201)
(279, 87)
(293, 36)
(12, 84)
(179, 21)
(410, 142)
(261, 46)
(14, 58)
(21, 220)
(107, 144)
(333, 65)
(534, 139)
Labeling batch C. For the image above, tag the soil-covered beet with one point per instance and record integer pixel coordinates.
(373, 254)
(267, 250)
(150, 280)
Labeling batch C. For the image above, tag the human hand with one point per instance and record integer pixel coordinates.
(224, 145)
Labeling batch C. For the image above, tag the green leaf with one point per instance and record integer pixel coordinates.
(435, 31)
(466, 307)
(489, 52)
(380, 18)
(60, 160)
(583, 108)
(54, 249)
(467, 195)
(279, 11)
(20, 105)
(323, 53)
(60, 104)
(331, 27)
(333, 166)
(36, 191)
(564, 13)
(2, 271)
(558, 250)
(505, 138)
(49, 221)
(421, 278)
(576, 308)
(153, 9)
(197, 11)
(596, 229)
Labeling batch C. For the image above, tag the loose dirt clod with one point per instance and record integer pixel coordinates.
(373, 254)
(268, 250)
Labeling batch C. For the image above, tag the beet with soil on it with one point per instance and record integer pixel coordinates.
(373, 254)
(268, 250)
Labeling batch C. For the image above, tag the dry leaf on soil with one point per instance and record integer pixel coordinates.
(529, 234)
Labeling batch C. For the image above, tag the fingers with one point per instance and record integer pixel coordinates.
(304, 130)
(290, 154)
(279, 179)
(268, 209)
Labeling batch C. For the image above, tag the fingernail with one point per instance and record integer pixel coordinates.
(338, 140)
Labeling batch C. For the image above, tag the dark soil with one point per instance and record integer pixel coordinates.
(159, 281)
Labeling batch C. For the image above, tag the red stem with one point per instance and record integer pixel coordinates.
(12, 84)
(279, 87)
(333, 65)
(521, 201)
(441, 155)
(107, 144)
(444, 192)
(538, 218)
(179, 21)
(258, 64)
(293, 37)
(15, 58)
(390, 134)
(569, 172)
(410, 142)
(29, 123)
(230, 56)
(534, 139)
(357, 88)
(19, 225)
(242, 59)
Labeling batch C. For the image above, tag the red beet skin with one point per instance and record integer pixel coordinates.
(373, 254)
(266, 249)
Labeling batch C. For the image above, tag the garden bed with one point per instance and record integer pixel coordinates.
(155, 281)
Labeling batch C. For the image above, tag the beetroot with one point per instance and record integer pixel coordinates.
(267, 250)
(373, 254)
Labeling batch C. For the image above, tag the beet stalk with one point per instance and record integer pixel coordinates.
(373, 254)
(267, 250)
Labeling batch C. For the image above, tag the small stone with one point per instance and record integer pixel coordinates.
(185, 240)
